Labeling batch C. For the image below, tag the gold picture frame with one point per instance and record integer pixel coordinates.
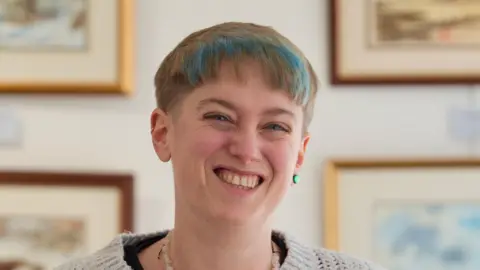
(361, 195)
(404, 42)
(90, 52)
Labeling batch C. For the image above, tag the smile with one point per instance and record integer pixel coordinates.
(242, 181)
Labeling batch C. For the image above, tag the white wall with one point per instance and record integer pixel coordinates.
(113, 133)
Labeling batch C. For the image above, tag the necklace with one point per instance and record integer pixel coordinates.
(164, 254)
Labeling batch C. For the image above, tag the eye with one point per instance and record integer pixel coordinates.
(277, 127)
(217, 117)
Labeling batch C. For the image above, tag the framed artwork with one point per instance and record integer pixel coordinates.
(66, 46)
(405, 214)
(404, 42)
(47, 218)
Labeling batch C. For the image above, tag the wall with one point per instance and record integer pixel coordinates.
(113, 133)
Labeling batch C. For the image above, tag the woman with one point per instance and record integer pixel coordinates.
(234, 104)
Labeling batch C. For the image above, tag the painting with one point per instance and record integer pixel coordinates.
(43, 24)
(424, 23)
(37, 234)
(427, 235)
(404, 214)
(404, 42)
(34, 242)
(66, 46)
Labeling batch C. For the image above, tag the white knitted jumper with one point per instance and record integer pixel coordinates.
(299, 257)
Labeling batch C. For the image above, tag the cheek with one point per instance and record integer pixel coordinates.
(191, 151)
(282, 158)
(202, 143)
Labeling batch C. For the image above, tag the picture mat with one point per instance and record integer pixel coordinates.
(361, 189)
(357, 58)
(98, 64)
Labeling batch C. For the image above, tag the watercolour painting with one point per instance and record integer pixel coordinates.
(404, 42)
(66, 46)
(404, 214)
(43, 24)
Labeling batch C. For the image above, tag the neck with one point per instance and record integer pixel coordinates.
(197, 243)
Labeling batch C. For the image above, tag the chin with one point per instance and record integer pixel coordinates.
(236, 216)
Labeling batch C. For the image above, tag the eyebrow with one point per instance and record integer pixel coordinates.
(224, 103)
(217, 101)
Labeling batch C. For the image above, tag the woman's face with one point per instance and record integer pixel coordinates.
(234, 148)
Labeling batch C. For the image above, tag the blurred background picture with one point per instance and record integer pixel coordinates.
(39, 243)
(425, 22)
(427, 235)
(43, 24)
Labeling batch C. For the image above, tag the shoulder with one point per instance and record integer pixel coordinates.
(300, 256)
(330, 259)
(110, 256)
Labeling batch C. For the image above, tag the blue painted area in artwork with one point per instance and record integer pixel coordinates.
(440, 237)
(471, 223)
(394, 226)
(19, 32)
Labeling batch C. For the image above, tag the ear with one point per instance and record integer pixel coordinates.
(301, 155)
(159, 128)
(301, 152)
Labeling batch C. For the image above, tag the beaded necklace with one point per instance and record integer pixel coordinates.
(164, 254)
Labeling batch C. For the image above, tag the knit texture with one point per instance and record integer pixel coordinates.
(299, 257)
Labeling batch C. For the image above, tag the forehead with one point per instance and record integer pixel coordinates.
(241, 72)
(245, 86)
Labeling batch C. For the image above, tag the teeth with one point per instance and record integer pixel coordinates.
(240, 181)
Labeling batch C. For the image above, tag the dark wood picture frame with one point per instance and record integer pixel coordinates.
(49, 217)
(123, 182)
(52, 216)
(438, 72)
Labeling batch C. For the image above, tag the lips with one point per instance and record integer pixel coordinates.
(239, 180)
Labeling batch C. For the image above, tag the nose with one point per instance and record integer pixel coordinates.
(245, 146)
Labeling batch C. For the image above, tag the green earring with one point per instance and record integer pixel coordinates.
(296, 179)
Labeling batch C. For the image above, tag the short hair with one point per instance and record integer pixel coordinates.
(198, 59)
